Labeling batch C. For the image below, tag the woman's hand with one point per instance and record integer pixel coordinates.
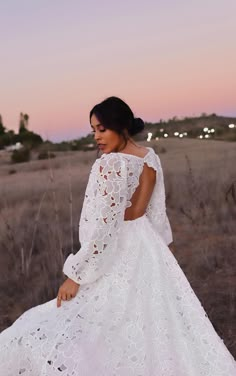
(67, 291)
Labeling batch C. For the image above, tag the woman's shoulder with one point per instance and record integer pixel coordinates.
(115, 158)
(110, 162)
(109, 158)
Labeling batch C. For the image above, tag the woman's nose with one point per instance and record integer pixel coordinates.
(96, 136)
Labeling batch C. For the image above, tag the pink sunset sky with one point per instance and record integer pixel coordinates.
(164, 58)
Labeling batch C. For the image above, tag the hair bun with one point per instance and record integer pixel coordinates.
(137, 126)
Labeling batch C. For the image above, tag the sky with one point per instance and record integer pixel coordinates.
(164, 58)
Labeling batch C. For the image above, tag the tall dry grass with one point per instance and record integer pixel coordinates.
(40, 207)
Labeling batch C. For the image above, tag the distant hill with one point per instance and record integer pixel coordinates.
(194, 126)
(189, 127)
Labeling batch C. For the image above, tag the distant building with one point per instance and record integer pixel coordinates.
(17, 146)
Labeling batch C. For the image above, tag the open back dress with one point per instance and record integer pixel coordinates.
(135, 313)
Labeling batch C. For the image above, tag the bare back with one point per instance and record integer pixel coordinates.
(143, 192)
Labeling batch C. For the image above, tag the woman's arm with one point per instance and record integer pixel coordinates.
(96, 253)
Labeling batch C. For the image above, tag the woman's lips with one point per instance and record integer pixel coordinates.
(101, 146)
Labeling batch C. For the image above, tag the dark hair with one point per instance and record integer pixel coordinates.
(113, 113)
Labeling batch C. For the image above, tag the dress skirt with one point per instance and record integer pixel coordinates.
(141, 318)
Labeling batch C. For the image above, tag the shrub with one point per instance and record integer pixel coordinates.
(12, 171)
(46, 155)
(19, 156)
(163, 150)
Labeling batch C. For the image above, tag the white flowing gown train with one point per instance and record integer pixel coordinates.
(135, 313)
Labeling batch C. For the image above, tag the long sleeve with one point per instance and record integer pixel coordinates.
(96, 253)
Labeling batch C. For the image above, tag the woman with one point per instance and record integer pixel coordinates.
(126, 308)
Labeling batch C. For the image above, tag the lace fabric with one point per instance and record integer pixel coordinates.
(135, 313)
(112, 182)
(102, 213)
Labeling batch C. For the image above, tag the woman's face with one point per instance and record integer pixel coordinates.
(107, 140)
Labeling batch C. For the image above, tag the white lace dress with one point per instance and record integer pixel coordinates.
(135, 313)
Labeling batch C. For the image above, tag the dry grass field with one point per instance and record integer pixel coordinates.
(40, 204)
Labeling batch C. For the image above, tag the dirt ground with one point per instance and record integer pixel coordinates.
(40, 204)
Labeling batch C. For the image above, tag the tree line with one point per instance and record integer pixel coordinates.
(26, 137)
